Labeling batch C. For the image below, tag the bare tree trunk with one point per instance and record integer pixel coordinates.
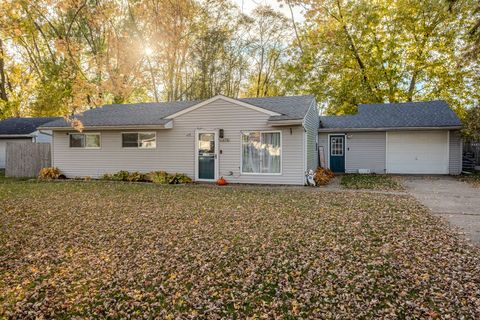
(260, 70)
(154, 84)
(3, 83)
(295, 27)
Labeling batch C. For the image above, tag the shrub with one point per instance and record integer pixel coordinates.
(160, 177)
(163, 177)
(126, 176)
(121, 175)
(323, 176)
(49, 173)
(180, 178)
(136, 177)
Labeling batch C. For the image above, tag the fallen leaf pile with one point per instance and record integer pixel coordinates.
(473, 180)
(103, 249)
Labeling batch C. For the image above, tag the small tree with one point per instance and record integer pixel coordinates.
(471, 130)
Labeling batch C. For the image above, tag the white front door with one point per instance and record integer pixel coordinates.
(417, 152)
(206, 155)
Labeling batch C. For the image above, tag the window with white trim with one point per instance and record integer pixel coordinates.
(336, 146)
(141, 140)
(261, 152)
(85, 140)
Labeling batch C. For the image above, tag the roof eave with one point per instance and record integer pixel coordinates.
(168, 125)
(388, 129)
(289, 122)
(16, 136)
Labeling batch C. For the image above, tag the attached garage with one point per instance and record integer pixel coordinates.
(397, 138)
(417, 152)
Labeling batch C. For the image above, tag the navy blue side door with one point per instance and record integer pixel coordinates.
(337, 153)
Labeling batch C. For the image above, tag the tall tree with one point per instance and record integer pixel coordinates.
(386, 51)
(269, 36)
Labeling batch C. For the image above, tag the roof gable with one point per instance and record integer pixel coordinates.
(220, 97)
(426, 114)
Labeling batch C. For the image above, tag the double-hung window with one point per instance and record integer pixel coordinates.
(142, 140)
(85, 140)
(262, 152)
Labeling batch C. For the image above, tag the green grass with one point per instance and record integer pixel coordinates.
(76, 249)
(370, 181)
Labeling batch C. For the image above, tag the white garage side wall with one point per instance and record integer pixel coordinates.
(175, 151)
(365, 150)
(455, 153)
(311, 126)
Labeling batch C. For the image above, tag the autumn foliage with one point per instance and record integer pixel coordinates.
(323, 176)
(49, 173)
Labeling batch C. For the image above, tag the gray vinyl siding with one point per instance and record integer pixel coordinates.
(455, 153)
(365, 150)
(311, 131)
(175, 151)
(43, 137)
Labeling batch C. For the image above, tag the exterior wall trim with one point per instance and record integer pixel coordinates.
(387, 129)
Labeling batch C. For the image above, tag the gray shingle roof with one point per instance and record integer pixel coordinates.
(293, 107)
(22, 126)
(395, 115)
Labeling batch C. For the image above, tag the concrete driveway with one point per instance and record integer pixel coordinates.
(454, 200)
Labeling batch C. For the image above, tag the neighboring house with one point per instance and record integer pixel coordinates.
(258, 140)
(19, 130)
(270, 140)
(403, 138)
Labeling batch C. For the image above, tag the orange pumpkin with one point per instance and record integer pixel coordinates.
(221, 181)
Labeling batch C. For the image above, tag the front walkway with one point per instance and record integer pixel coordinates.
(454, 200)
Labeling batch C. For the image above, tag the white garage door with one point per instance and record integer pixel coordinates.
(417, 152)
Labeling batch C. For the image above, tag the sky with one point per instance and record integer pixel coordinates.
(249, 5)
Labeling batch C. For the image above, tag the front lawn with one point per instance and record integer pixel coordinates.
(110, 249)
(370, 181)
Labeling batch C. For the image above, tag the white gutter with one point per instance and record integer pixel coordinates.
(45, 133)
(167, 125)
(278, 123)
(14, 136)
(386, 129)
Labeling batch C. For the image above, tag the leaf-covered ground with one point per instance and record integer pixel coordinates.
(371, 181)
(106, 249)
(473, 179)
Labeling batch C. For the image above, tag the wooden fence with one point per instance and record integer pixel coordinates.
(26, 159)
